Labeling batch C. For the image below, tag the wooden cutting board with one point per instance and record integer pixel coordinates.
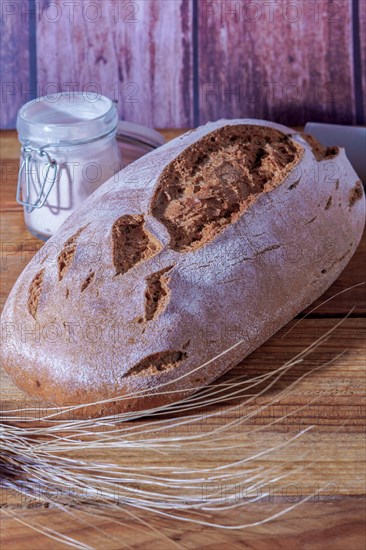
(330, 463)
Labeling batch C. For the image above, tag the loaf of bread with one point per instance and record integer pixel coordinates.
(180, 266)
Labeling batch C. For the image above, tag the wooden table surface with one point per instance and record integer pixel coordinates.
(330, 463)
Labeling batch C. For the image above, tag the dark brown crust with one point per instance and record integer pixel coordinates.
(89, 279)
(132, 244)
(160, 324)
(157, 363)
(67, 254)
(319, 151)
(34, 293)
(355, 194)
(209, 185)
(157, 293)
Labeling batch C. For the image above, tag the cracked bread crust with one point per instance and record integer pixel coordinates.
(191, 251)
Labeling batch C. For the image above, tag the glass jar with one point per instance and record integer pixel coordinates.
(135, 141)
(69, 149)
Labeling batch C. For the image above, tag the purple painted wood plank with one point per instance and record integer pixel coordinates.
(362, 31)
(139, 52)
(14, 60)
(284, 61)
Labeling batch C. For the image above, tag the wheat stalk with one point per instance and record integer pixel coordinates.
(42, 457)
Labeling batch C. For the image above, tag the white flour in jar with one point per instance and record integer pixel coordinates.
(69, 150)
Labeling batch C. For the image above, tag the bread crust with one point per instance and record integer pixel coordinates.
(114, 306)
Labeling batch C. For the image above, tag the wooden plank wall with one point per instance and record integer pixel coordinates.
(283, 65)
(362, 42)
(15, 63)
(178, 63)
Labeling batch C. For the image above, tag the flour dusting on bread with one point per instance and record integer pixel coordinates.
(221, 236)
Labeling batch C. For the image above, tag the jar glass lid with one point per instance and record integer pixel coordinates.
(139, 136)
(66, 118)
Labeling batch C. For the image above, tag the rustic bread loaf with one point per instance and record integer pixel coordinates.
(214, 241)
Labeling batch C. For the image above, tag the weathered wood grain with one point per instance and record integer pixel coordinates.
(14, 60)
(287, 64)
(333, 525)
(138, 52)
(362, 68)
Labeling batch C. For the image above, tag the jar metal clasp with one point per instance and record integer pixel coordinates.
(39, 185)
